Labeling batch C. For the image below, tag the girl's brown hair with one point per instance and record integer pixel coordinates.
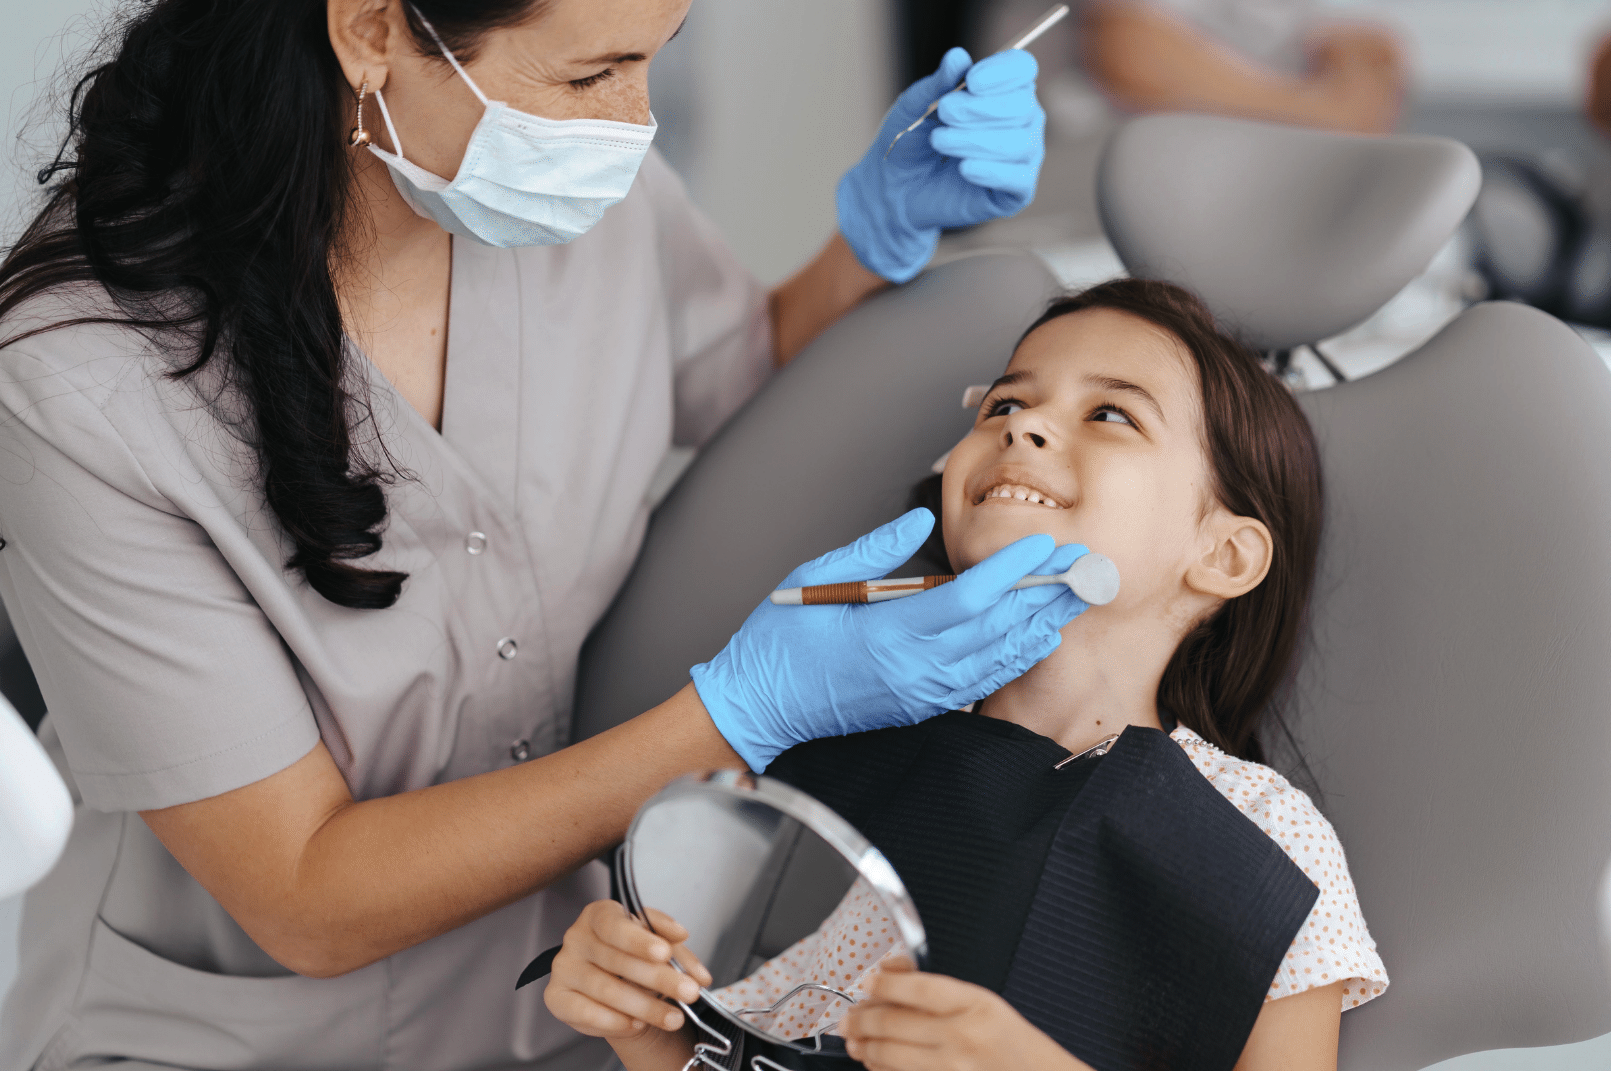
(1228, 672)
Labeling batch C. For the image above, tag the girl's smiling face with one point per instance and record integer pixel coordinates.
(1094, 436)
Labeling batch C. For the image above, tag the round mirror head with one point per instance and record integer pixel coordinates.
(786, 905)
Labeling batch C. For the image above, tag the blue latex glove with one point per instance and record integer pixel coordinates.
(796, 673)
(980, 161)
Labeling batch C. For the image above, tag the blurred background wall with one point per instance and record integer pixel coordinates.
(39, 41)
(1503, 51)
(768, 101)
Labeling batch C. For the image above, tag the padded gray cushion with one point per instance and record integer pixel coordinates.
(1456, 698)
(825, 453)
(1290, 235)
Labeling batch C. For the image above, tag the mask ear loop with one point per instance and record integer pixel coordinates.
(385, 113)
(391, 131)
(447, 55)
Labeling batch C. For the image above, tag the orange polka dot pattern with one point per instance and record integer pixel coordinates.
(1333, 944)
(840, 955)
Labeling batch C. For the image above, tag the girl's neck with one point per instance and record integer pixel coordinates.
(1102, 678)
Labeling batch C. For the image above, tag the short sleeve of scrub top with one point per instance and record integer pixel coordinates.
(179, 658)
(165, 679)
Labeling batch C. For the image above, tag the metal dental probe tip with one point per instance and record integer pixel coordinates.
(1094, 579)
(1046, 22)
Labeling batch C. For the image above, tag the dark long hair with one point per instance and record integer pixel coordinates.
(1228, 673)
(205, 185)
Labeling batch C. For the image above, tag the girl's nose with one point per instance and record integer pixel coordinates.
(1038, 440)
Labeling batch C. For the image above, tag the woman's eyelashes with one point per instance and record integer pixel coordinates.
(1003, 407)
(593, 79)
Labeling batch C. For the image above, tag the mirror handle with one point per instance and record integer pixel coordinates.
(539, 967)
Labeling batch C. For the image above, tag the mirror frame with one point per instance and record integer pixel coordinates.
(867, 861)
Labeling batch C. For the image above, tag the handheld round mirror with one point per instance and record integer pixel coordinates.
(785, 904)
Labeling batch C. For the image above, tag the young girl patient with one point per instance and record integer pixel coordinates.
(1127, 422)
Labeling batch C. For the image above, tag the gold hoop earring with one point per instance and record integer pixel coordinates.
(359, 136)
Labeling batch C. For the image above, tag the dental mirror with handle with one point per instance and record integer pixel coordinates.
(1094, 580)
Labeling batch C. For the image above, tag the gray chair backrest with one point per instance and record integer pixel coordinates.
(1290, 235)
(1455, 700)
(827, 452)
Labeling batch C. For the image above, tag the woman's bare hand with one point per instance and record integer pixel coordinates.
(612, 975)
(1361, 74)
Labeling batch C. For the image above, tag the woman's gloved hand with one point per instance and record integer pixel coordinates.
(981, 160)
(796, 673)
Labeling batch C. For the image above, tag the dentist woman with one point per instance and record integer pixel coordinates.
(332, 379)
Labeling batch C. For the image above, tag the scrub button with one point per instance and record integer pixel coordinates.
(520, 750)
(475, 542)
(507, 648)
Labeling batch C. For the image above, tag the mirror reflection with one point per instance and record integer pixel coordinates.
(789, 914)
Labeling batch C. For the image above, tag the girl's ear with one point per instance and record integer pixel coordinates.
(1236, 556)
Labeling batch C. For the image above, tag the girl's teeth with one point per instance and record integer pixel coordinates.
(1023, 496)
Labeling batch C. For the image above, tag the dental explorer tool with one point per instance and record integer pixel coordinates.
(1046, 22)
(1094, 579)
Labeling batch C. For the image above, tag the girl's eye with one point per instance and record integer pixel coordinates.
(593, 79)
(1112, 415)
(1005, 407)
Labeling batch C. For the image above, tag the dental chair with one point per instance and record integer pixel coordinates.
(1454, 701)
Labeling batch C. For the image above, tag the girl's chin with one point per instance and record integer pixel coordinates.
(983, 540)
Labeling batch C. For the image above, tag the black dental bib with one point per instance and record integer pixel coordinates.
(1120, 903)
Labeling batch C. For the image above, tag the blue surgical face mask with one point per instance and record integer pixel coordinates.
(524, 180)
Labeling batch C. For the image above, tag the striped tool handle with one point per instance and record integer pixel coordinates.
(858, 591)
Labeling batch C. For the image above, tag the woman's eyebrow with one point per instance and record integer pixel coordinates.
(1124, 386)
(627, 57)
(618, 57)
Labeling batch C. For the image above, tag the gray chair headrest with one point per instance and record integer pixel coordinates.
(1290, 235)
(1455, 701)
(826, 452)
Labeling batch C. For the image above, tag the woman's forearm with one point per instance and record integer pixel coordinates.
(327, 885)
(1147, 60)
(818, 294)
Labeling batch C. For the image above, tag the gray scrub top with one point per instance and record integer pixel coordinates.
(180, 659)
